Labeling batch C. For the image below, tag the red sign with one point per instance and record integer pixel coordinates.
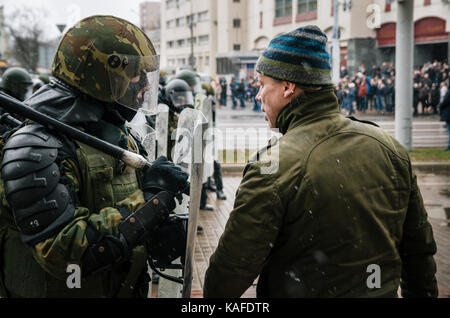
(426, 30)
(429, 30)
(386, 34)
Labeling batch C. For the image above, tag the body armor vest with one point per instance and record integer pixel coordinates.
(104, 182)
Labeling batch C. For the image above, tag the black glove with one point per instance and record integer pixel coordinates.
(163, 175)
(168, 242)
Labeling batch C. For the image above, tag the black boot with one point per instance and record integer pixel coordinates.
(221, 195)
(207, 207)
(204, 199)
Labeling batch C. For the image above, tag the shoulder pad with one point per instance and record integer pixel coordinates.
(41, 205)
(33, 135)
(19, 162)
(29, 149)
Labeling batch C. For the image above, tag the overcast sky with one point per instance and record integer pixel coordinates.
(70, 11)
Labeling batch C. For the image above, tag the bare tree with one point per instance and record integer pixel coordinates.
(26, 28)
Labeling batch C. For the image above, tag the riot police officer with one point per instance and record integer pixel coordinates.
(194, 82)
(177, 95)
(70, 204)
(218, 188)
(17, 83)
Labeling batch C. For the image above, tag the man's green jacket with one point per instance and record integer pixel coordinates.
(331, 209)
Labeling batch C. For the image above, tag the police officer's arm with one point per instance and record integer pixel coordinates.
(417, 249)
(42, 193)
(248, 238)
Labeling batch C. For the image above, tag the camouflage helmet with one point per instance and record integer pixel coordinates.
(107, 58)
(192, 78)
(17, 82)
(208, 89)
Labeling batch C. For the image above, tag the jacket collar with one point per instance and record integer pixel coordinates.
(307, 107)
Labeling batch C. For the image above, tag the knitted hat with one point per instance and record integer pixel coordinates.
(299, 56)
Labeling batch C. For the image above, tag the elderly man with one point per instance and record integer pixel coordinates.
(342, 216)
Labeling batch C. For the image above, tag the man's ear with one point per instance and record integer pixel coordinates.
(289, 89)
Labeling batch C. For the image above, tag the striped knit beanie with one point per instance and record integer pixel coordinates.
(299, 56)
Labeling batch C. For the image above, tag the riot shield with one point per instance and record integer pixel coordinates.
(146, 134)
(204, 104)
(187, 153)
(162, 130)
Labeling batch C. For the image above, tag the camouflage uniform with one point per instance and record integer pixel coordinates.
(103, 190)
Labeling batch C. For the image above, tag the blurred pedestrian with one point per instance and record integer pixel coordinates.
(444, 109)
(416, 90)
(223, 91)
(389, 94)
(435, 98)
(380, 95)
(423, 95)
(241, 92)
(372, 93)
(350, 96)
(234, 92)
(362, 94)
(443, 90)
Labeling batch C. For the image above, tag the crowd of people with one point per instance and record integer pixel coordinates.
(240, 91)
(373, 89)
(369, 89)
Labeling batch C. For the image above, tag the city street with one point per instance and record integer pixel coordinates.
(233, 126)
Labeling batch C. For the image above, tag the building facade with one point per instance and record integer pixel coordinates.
(189, 35)
(150, 20)
(431, 30)
(239, 30)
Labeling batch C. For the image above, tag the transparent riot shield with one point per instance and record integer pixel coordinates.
(204, 104)
(187, 153)
(162, 130)
(146, 134)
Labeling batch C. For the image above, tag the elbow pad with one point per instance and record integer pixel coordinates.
(41, 205)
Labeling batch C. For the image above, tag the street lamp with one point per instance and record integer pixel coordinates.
(335, 46)
(191, 27)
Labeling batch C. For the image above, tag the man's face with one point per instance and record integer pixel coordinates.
(271, 95)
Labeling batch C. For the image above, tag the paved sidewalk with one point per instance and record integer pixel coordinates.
(214, 222)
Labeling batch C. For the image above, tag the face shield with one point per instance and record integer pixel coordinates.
(134, 81)
(182, 98)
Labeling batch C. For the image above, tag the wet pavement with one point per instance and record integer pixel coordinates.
(435, 189)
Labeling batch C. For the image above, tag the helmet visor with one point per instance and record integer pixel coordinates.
(179, 99)
(134, 81)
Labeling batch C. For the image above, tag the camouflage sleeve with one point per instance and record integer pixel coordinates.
(68, 246)
(417, 249)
